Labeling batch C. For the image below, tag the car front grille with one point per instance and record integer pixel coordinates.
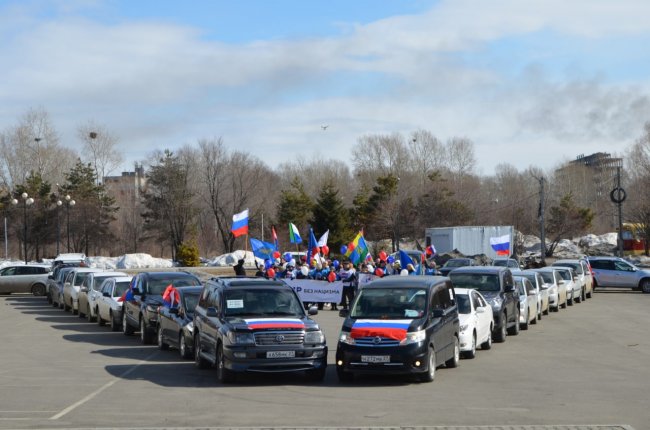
(280, 338)
(376, 341)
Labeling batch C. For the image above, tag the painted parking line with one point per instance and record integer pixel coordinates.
(104, 387)
(483, 427)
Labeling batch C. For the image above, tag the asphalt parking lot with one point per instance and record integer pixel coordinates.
(585, 367)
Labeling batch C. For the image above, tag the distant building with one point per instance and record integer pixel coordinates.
(127, 186)
(604, 168)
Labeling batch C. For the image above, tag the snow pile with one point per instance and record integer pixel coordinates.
(102, 262)
(605, 244)
(567, 249)
(141, 261)
(230, 259)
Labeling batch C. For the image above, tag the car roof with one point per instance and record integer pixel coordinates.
(407, 282)
(480, 269)
(122, 278)
(464, 291)
(190, 290)
(159, 275)
(247, 281)
(603, 257)
(86, 269)
(110, 274)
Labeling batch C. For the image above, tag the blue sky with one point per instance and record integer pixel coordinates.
(529, 82)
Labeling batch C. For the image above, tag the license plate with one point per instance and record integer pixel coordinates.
(280, 354)
(375, 358)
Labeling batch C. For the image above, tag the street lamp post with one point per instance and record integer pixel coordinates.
(27, 201)
(58, 226)
(68, 204)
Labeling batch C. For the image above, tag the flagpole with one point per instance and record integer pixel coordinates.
(262, 226)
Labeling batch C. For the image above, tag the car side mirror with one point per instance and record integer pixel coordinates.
(438, 313)
(83, 289)
(509, 288)
(532, 292)
(313, 310)
(211, 312)
(480, 310)
(106, 294)
(344, 313)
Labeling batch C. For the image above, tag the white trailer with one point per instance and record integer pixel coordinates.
(469, 240)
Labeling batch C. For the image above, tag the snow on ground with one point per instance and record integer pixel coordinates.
(230, 259)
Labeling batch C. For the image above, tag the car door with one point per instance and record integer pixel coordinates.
(604, 272)
(132, 306)
(103, 302)
(482, 321)
(7, 277)
(625, 276)
(212, 324)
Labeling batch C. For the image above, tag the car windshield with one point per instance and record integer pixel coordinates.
(390, 303)
(190, 301)
(97, 281)
(530, 277)
(500, 263)
(79, 279)
(475, 281)
(521, 289)
(262, 302)
(464, 306)
(547, 277)
(456, 263)
(157, 286)
(574, 266)
(120, 288)
(565, 274)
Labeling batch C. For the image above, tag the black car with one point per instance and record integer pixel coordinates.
(400, 325)
(498, 287)
(140, 308)
(176, 323)
(246, 324)
(454, 263)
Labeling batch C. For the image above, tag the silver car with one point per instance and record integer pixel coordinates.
(71, 288)
(583, 271)
(542, 290)
(22, 278)
(557, 296)
(89, 293)
(573, 287)
(616, 272)
(109, 304)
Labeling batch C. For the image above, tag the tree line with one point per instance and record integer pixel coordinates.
(392, 187)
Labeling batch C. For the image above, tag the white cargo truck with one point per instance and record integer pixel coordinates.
(469, 240)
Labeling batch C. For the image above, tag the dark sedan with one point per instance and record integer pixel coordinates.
(175, 323)
(455, 263)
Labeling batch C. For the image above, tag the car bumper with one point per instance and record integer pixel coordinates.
(466, 338)
(254, 359)
(407, 359)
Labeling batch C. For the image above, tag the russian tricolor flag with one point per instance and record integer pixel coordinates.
(391, 329)
(501, 244)
(240, 224)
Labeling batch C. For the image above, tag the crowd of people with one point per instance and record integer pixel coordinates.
(326, 269)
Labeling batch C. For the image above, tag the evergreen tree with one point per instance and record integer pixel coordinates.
(567, 220)
(92, 213)
(330, 213)
(295, 205)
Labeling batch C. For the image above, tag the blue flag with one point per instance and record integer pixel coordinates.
(312, 244)
(262, 250)
(405, 259)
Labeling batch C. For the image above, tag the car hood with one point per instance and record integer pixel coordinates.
(272, 323)
(489, 295)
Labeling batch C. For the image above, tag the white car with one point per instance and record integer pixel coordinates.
(109, 306)
(89, 292)
(476, 321)
(573, 287)
(557, 297)
(527, 302)
(583, 272)
(71, 288)
(542, 291)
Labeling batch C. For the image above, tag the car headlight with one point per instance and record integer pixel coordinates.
(152, 308)
(190, 327)
(236, 338)
(496, 302)
(345, 337)
(315, 336)
(464, 327)
(415, 337)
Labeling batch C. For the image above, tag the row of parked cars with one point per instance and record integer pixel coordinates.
(406, 325)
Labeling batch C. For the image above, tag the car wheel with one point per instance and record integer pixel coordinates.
(500, 335)
(145, 336)
(430, 374)
(126, 328)
(100, 320)
(514, 330)
(455, 359)
(524, 325)
(488, 343)
(182, 348)
(316, 375)
(569, 300)
(161, 341)
(536, 317)
(38, 290)
(79, 313)
(199, 361)
(566, 300)
(645, 286)
(591, 292)
(472, 352)
(73, 310)
(66, 308)
(347, 377)
(49, 298)
(224, 375)
(539, 313)
(115, 323)
(89, 315)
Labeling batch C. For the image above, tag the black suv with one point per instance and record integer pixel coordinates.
(140, 307)
(498, 288)
(256, 325)
(400, 325)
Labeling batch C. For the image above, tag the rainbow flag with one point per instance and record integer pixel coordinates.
(357, 249)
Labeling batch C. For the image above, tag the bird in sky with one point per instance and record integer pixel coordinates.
(324, 127)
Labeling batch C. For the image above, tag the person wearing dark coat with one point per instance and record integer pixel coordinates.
(239, 268)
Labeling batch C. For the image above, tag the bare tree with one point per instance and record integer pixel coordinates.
(427, 154)
(99, 149)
